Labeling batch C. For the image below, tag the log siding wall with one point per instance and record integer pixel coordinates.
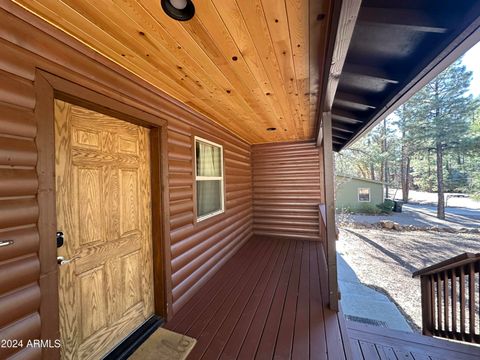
(197, 249)
(287, 182)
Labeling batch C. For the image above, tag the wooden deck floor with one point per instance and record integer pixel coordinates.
(375, 343)
(265, 302)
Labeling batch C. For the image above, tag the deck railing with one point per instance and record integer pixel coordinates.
(322, 222)
(451, 298)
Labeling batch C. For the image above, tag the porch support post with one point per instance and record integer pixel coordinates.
(330, 210)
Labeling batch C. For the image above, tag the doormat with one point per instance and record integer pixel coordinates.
(164, 345)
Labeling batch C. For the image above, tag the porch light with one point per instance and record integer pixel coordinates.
(181, 10)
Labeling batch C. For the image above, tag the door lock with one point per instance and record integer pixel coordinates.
(60, 239)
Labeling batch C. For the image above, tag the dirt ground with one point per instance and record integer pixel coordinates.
(385, 259)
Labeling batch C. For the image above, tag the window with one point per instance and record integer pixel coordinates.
(208, 178)
(364, 194)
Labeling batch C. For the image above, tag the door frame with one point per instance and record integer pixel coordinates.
(48, 88)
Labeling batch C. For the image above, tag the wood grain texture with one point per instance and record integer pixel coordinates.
(19, 211)
(346, 24)
(103, 208)
(287, 181)
(27, 41)
(265, 303)
(331, 229)
(243, 64)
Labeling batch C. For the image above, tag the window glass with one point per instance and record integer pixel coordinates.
(209, 179)
(209, 197)
(208, 159)
(364, 194)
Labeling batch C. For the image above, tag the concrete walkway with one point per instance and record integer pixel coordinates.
(361, 303)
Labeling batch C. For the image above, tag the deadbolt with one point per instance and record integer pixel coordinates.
(60, 239)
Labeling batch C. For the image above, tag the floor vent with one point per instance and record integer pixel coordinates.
(366, 321)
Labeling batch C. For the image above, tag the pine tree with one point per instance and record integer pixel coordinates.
(443, 113)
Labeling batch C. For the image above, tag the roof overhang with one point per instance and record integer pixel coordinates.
(394, 49)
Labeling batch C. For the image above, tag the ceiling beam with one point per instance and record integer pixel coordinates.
(411, 19)
(451, 52)
(341, 30)
(340, 127)
(353, 99)
(367, 71)
(345, 116)
(340, 135)
(346, 24)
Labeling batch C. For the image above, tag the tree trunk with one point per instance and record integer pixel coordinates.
(385, 175)
(430, 185)
(405, 173)
(439, 153)
(440, 190)
(406, 180)
(404, 165)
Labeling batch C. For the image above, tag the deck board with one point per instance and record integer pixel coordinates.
(253, 290)
(231, 271)
(318, 349)
(283, 348)
(266, 302)
(206, 327)
(392, 345)
(252, 314)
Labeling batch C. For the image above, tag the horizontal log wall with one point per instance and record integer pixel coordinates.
(20, 293)
(198, 250)
(287, 180)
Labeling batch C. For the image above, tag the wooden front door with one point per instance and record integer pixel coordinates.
(103, 209)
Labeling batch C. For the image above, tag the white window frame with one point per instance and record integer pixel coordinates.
(203, 178)
(369, 194)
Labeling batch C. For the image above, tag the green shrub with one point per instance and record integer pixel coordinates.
(387, 206)
(345, 210)
(368, 209)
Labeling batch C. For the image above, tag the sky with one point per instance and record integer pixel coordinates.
(471, 60)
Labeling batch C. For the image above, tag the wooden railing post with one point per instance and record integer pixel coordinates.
(427, 305)
(450, 296)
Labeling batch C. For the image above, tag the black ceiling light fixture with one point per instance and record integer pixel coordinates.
(181, 10)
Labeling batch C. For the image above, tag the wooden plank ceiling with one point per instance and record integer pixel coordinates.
(248, 65)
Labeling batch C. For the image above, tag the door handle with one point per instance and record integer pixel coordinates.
(62, 261)
(6, 243)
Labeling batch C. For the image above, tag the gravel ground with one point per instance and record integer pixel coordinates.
(385, 260)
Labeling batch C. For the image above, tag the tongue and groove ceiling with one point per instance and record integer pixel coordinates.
(248, 65)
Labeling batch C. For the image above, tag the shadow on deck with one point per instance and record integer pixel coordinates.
(268, 301)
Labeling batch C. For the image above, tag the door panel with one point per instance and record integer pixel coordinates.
(103, 208)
